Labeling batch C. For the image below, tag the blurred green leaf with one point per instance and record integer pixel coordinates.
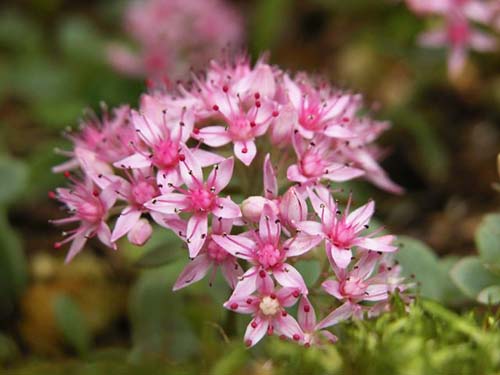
(80, 41)
(471, 277)
(416, 258)
(14, 177)
(231, 362)
(19, 33)
(71, 322)
(488, 239)
(310, 270)
(166, 252)
(14, 274)
(490, 295)
(8, 349)
(269, 19)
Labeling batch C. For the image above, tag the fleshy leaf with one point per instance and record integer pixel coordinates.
(488, 239)
(472, 277)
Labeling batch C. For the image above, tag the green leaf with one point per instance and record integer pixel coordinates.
(471, 277)
(71, 323)
(309, 269)
(14, 274)
(488, 239)
(14, 176)
(416, 258)
(490, 295)
(269, 19)
(163, 248)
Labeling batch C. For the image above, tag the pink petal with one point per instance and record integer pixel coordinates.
(231, 271)
(341, 313)
(104, 235)
(191, 172)
(214, 136)
(245, 151)
(197, 228)
(269, 228)
(288, 296)
(206, 158)
(168, 203)
(310, 227)
(239, 246)
(126, 221)
(221, 175)
(288, 276)
(265, 284)
(374, 244)
(226, 209)
(254, 335)
(376, 292)
(306, 315)
(135, 161)
(337, 131)
(287, 326)
(220, 225)
(146, 128)
(167, 180)
(76, 246)
(301, 244)
(341, 257)
(270, 182)
(247, 284)
(344, 173)
(293, 208)
(332, 287)
(293, 174)
(108, 195)
(361, 216)
(193, 272)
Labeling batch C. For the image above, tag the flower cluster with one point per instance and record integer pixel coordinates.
(171, 34)
(458, 33)
(151, 165)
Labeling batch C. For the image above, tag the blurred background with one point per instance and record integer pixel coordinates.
(109, 312)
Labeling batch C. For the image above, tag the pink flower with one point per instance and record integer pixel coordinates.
(245, 109)
(212, 256)
(200, 199)
(342, 232)
(306, 317)
(140, 233)
(173, 35)
(457, 33)
(89, 207)
(264, 248)
(267, 307)
(321, 110)
(318, 159)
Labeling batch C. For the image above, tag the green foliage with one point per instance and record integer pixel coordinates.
(488, 239)
(71, 322)
(418, 260)
(13, 175)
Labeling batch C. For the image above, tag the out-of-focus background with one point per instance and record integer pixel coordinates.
(104, 313)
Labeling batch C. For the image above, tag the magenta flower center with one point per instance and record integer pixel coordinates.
(268, 256)
(91, 211)
(166, 154)
(342, 235)
(269, 306)
(240, 129)
(202, 200)
(215, 252)
(312, 164)
(352, 287)
(458, 32)
(310, 118)
(143, 192)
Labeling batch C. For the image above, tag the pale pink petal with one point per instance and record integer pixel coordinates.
(288, 296)
(293, 174)
(126, 221)
(231, 271)
(167, 180)
(310, 227)
(146, 128)
(288, 276)
(374, 244)
(341, 173)
(191, 172)
(341, 313)
(306, 315)
(287, 325)
(301, 244)
(226, 209)
(361, 216)
(168, 203)
(254, 335)
(293, 207)
(341, 257)
(76, 246)
(239, 246)
(269, 227)
(104, 235)
(270, 182)
(173, 222)
(108, 195)
(482, 42)
(206, 158)
(221, 175)
(337, 131)
(376, 292)
(247, 284)
(265, 284)
(134, 161)
(197, 228)
(214, 136)
(332, 287)
(245, 151)
(193, 272)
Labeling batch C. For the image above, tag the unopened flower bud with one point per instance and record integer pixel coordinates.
(140, 233)
(252, 207)
(293, 208)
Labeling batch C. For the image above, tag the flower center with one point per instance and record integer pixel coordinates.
(202, 200)
(269, 306)
(143, 192)
(353, 287)
(91, 211)
(458, 32)
(240, 128)
(166, 155)
(268, 256)
(310, 118)
(312, 164)
(215, 252)
(342, 235)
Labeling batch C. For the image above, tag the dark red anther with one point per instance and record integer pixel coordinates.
(95, 193)
(254, 324)
(57, 245)
(252, 124)
(234, 306)
(296, 293)
(52, 195)
(345, 119)
(149, 83)
(275, 113)
(248, 343)
(257, 104)
(296, 337)
(249, 301)
(272, 295)
(215, 107)
(182, 157)
(262, 273)
(67, 174)
(284, 313)
(196, 131)
(257, 95)
(225, 88)
(244, 150)
(307, 308)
